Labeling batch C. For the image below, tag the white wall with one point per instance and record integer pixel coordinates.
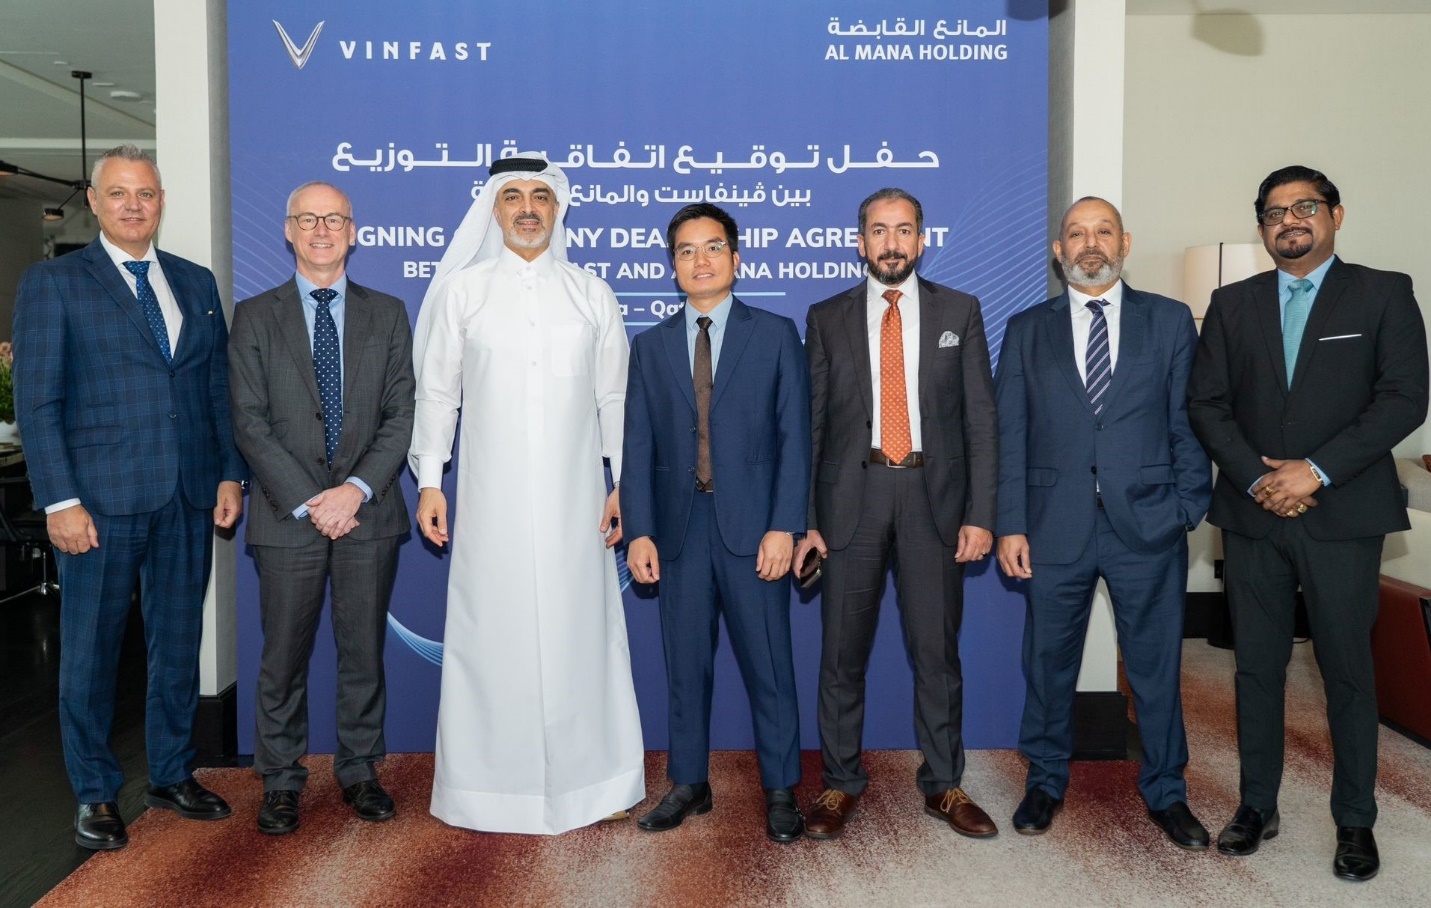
(1214, 103)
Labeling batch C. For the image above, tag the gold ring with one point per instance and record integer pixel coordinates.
(1291, 513)
(1301, 509)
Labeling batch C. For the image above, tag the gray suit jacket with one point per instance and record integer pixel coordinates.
(278, 418)
(956, 411)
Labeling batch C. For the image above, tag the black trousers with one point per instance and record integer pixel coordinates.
(896, 528)
(1339, 581)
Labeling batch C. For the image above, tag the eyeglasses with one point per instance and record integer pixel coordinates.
(1302, 208)
(307, 221)
(711, 250)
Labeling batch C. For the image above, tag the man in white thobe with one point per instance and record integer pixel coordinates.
(537, 728)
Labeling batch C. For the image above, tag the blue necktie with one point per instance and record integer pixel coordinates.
(1098, 365)
(150, 303)
(328, 370)
(1294, 322)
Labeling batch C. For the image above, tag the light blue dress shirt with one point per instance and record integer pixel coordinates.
(718, 316)
(1284, 293)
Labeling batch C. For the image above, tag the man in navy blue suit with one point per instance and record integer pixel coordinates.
(1100, 476)
(121, 393)
(716, 472)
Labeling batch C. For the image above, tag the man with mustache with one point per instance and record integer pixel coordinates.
(1305, 378)
(905, 456)
(537, 729)
(1100, 476)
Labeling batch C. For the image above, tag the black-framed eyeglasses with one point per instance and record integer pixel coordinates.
(308, 220)
(1302, 208)
(711, 249)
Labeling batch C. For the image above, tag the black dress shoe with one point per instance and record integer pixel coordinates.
(783, 820)
(189, 800)
(1035, 812)
(369, 800)
(679, 802)
(1181, 826)
(1248, 828)
(99, 827)
(1357, 858)
(279, 813)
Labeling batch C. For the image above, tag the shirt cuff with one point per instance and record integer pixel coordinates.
(1319, 473)
(61, 505)
(300, 512)
(366, 489)
(429, 471)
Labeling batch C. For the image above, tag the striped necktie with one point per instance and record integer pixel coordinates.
(1098, 365)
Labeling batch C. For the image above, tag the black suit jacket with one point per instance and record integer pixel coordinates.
(956, 411)
(278, 416)
(1360, 387)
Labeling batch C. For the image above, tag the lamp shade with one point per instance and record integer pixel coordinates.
(1205, 268)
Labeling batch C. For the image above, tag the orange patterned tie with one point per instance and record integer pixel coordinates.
(893, 398)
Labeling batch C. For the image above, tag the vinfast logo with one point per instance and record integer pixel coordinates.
(298, 55)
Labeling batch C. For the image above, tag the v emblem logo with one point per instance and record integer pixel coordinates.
(298, 55)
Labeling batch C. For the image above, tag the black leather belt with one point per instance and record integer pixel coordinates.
(912, 459)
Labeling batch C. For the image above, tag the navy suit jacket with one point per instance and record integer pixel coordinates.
(1360, 387)
(105, 419)
(760, 433)
(1140, 453)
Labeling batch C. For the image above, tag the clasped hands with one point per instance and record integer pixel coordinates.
(1288, 490)
(333, 511)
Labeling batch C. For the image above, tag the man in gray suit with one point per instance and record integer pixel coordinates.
(906, 451)
(322, 398)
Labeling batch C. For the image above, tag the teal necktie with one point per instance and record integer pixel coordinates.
(1294, 322)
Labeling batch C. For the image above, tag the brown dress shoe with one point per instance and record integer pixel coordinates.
(829, 814)
(962, 813)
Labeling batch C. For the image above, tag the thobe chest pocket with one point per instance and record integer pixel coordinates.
(571, 349)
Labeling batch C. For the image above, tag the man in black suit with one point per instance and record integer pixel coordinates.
(322, 393)
(1304, 380)
(888, 486)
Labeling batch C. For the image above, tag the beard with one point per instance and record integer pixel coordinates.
(527, 241)
(1292, 245)
(1079, 274)
(896, 272)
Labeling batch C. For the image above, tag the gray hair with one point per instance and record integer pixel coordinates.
(311, 184)
(126, 152)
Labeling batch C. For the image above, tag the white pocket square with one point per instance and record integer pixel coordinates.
(1337, 337)
(948, 339)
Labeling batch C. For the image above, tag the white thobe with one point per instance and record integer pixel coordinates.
(537, 728)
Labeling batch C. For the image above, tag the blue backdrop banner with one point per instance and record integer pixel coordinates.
(787, 115)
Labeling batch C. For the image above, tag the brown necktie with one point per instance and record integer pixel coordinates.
(701, 375)
(893, 398)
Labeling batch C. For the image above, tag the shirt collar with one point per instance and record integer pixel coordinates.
(511, 263)
(306, 288)
(1113, 296)
(119, 256)
(908, 290)
(1318, 275)
(718, 315)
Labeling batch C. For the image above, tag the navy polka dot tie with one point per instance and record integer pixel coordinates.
(328, 370)
(150, 303)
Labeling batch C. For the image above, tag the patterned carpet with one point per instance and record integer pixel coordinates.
(1101, 851)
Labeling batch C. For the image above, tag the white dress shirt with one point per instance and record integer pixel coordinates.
(1083, 325)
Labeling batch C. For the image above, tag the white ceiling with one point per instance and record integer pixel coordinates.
(1274, 7)
(41, 41)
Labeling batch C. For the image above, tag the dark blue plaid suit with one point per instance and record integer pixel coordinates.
(143, 444)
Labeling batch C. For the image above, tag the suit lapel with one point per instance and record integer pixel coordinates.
(1058, 332)
(293, 328)
(1333, 286)
(739, 327)
(853, 322)
(1269, 316)
(673, 338)
(929, 332)
(108, 276)
(186, 297)
(357, 322)
(1132, 340)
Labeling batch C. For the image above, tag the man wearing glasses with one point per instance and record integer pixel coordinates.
(717, 463)
(322, 400)
(1304, 380)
